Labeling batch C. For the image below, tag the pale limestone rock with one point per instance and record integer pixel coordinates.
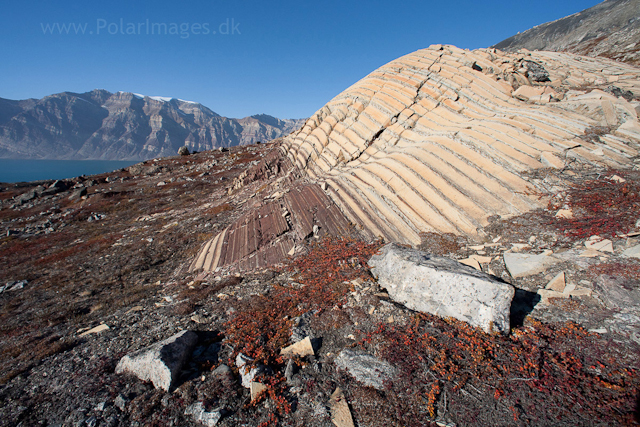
(471, 262)
(545, 294)
(481, 259)
(600, 245)
(632, 252)
(521, 265)
(564, 213)
(301, 348)
(247, 374)
(209, 419)
(96, 330)
(256, 388)
(557, 283)
(340, 413)
(162, 362)
(590, 253)
(443, 287)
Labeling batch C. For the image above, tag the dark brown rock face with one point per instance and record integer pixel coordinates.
(265, 235)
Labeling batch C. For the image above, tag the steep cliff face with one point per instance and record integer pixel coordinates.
(122, 126)
(610, 29)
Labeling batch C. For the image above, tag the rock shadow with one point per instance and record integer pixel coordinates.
(204, 355)
(522, 304)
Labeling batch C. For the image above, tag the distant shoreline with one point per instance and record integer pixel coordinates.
(27, 170)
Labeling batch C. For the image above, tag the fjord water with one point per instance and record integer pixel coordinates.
(22, 170)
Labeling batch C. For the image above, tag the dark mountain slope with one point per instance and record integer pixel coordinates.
(610, 29)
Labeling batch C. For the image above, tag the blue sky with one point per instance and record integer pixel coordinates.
(282, 58)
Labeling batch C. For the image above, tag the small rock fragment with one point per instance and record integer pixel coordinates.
(481, 259)
(589, 253)
(564, 213)
(256, 388)
(95, 330)
(471, 262)
(597, 244)
(247, 374)
(301, 348)
(632, 252)
(120, 402)
(340, 413)
(521, 265)
(557, 283)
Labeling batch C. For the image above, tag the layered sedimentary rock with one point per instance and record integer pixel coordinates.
(443, 139)
(265, 235)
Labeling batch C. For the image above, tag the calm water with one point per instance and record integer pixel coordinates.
(33, 170)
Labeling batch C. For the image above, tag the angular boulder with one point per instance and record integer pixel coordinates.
(160, 363)
(443, 287)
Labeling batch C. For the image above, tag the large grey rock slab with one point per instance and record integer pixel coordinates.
(618, 292)
(443, 287)
(365, 368)
(521, 265)
(162, 362)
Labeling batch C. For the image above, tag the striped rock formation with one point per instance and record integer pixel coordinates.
(438, 140)
(441, 139)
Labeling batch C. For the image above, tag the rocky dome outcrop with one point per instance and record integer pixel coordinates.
(444, 139)
(441, 140)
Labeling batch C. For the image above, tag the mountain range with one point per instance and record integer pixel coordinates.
(123, 126)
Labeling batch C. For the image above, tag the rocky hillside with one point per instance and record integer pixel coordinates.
(122, 126)
(610, 29)
(454, 240)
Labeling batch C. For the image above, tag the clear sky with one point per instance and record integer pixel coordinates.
(284, 58)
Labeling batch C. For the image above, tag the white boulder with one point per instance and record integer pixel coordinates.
(443, 287)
